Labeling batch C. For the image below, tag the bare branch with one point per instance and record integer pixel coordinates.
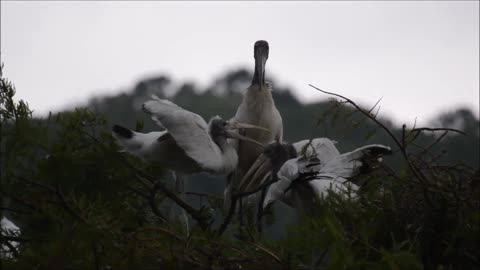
(12, 248)
(378, 101)
(418, 174)
(197, 215)
(227, 220)
(157, 185)
(264, 249)
(67, 206)
(362, 111)
(199, 194)
(438, 129)
(435, 142)
(153, 205)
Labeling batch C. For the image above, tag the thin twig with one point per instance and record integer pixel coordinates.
(197, 215)
(45, 186)
(376, 113)
(227, 220)
(157, 185)
(275, 257)
(153, 205)
(250, 192)
(199, 194)
(96, 259)
(12, 249)
(67, 206)
(160, 186)
(418, 174)
(438, 129)
(434, 143)
(158, 229)
(362, 111)
(378, 101)
(16, 239)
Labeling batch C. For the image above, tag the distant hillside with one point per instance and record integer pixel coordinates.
(78, 202)
(321, 119)
(301, 121)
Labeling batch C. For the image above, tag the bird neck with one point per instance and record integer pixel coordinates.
(228, 153)
(257, 94)
(256, 77)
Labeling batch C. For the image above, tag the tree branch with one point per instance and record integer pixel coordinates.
(418, 174)
(157, 185)
(438, 129)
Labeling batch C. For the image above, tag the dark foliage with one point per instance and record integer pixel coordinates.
(80, 204)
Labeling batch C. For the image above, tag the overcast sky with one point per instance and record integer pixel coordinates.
(421, 57)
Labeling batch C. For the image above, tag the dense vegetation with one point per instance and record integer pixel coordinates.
(81, 204)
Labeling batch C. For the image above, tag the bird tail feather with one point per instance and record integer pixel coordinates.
(127, 138)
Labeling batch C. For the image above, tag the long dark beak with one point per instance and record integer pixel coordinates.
(238, 125)
(261, 56)
(236, 135)
(260, 62)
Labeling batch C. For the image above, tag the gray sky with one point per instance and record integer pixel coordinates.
(421, 57)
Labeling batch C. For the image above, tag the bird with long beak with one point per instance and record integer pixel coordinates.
(257, 108)
(187, 145)
(307, 170)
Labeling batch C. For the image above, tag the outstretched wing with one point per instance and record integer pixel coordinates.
(326, 182)
(189, 130)
(323, 148)
(353, 163)
(286, 175)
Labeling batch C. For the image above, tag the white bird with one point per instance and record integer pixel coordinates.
(257, 108)
(188, 145)
(307, 171)
(8, 228)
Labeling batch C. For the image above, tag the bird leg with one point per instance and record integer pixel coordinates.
(260, 211)
(253, 169)
(179, 182)
(257, 178)
(240, 212)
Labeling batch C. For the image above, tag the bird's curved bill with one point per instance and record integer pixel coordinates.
(238, 125)
(235, 135)
(260, 66)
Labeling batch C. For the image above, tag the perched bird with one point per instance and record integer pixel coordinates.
(315, 168)
(9, 229)
(188, 144)
(257, 108)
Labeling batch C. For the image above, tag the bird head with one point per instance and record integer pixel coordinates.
(260, 53)
(279, 153)
(219, 127)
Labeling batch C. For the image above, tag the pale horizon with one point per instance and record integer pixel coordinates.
(421, 57)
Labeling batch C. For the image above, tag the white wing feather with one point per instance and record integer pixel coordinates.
(326, 182)
(287, 173)
(189, 130)
(142, 145)
(347, 165)
(323, 148)
(8, 228)
(333, 169)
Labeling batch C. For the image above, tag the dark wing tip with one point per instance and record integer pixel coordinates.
(292, 153)
(380, 150)
(122, 132)
(164, 137)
